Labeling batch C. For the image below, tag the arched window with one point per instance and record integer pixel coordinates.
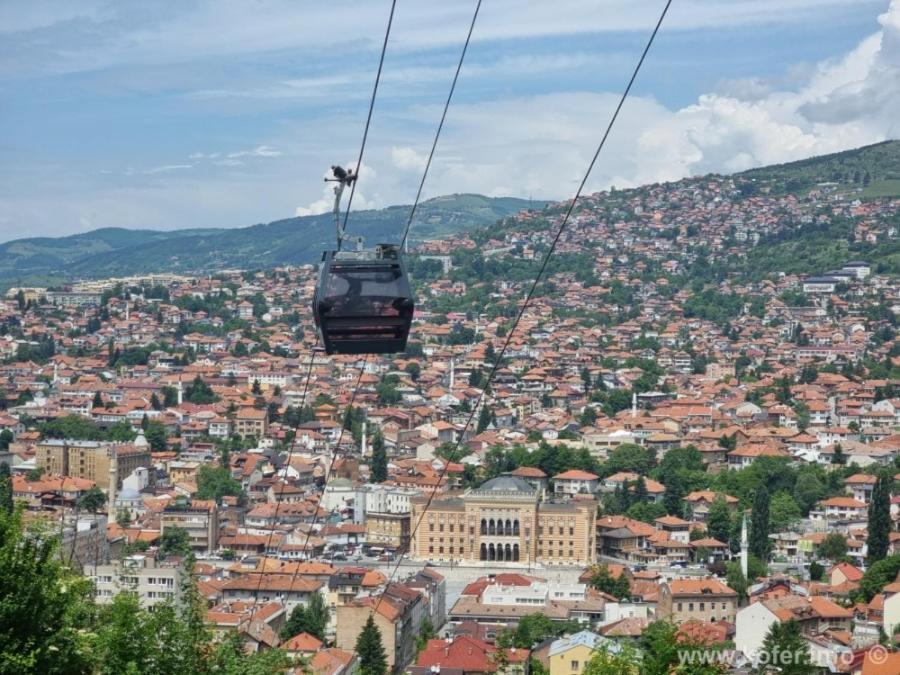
(483, 526)
(508, 529)
(516, 528)
(508, 553)
(483, 554)
(492, 553)
(491, 527)
(515, 552)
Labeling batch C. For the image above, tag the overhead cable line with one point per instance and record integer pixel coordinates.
(362, 147)
(531, 290)
(312, 358)
(328, 474)
(437, 135)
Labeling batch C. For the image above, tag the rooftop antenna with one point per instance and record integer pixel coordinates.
(342, 178)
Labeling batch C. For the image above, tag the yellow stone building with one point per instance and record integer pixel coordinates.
(103, 463)
(504, 520)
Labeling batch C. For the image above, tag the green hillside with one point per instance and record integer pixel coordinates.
(873, 171)
(116, 252)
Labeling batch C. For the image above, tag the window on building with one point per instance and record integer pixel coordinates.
(574, 665)
(690, 606)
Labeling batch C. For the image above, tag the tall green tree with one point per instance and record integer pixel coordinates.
(785, 649)
(44, 604)
(93, 500)
(199, 392)
(156, 435)
(484, 418)
(673, 499)
(718, 520)
(174, 541)
(603, 580)
(759, 524)
(879, 575)
(606, 661)
(784, 512)
(6, 489)
(370, 650)
(833, 546)
(215, 482)
(640, 491)
(379, 468)
(879, 524)
(311, 618)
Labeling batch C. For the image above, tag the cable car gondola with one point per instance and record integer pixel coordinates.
(363, 303)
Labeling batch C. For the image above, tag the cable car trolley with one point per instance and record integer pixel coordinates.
(363, 303)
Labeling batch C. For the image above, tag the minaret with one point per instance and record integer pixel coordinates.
(451, 373)
(634, 404)
(127, 310)
(113, 484)
(180, 391)
(745, 545)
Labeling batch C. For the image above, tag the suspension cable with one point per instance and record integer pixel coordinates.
(531, 291)
(437, 135)
(312, 355)
(362, 146)
(330, 471)
(312, 358)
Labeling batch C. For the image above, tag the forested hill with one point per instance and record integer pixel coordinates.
(118, 252)
(803, 218)
(873, 170)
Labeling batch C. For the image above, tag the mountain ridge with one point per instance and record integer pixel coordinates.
(868, 172)
(115, 251)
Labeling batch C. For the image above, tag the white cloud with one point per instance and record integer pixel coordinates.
(407, 159)
(117, 34)
(258, 151)
(540, 145)
(166, 168)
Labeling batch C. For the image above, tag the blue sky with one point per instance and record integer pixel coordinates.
(205, 113)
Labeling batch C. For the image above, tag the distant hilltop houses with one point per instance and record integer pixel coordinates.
(685, 426)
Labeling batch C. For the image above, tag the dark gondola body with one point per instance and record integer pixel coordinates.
(363, 303)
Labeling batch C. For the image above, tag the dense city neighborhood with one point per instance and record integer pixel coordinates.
(692, 437)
